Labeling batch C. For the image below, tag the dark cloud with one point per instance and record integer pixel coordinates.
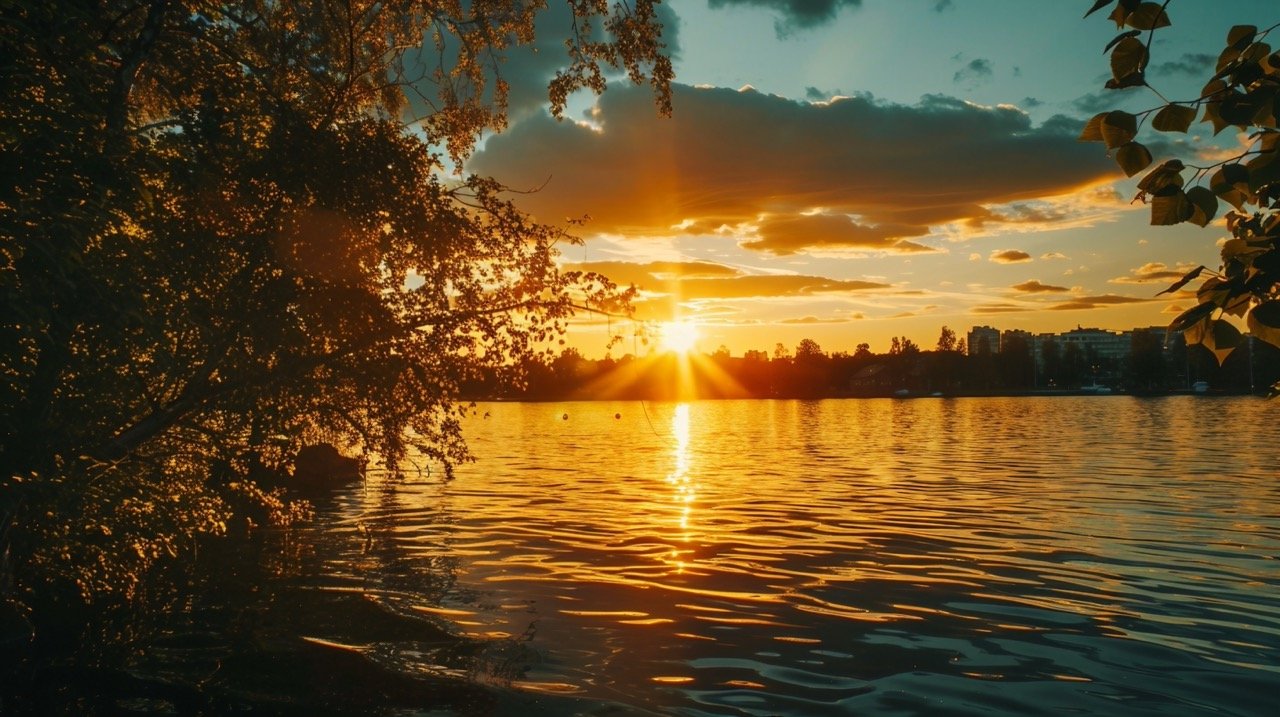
(1063, 125)
(794, 14)
(820, 95)
(1155, 271)
(1094, 302)
(942, 5)
(977, 70)
(1192, 63)
(687, 281)
(1035, 287)
(1102, 101)
(728, 157)
(1031, 102)
(1009, 256)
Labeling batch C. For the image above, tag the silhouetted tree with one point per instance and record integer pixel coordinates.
(1147, 367)
(947, 340)
(808, 349)
(1015, 363)
(221, 242)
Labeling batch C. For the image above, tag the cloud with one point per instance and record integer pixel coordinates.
(814, 320)
(1101, 101)
(1003, 308)
(1193, 64)
(770, 285)
(1094, 302)
(1009, 256)
(1053, 255)
(689, 281)
(977, 70)
(1174, 309)
(795, 13)
(653, 274)
(942, 5)
(1079, 209)
(1035, 287)
(975, 256)
(728, 158)
(1031, 102)
(793, 233)
(819, 95)
(1154, 271)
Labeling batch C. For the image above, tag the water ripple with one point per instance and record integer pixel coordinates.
(960, 556)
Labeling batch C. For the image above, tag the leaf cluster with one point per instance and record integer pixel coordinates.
(1243, 92)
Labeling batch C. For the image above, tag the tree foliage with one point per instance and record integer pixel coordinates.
(221, 239)
(1243, 92)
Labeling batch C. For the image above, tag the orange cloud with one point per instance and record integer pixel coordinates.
(1093, 302)
(654, 274)
(730, 157)
(1009, 256)
(815, 320)
(697, 280)
(1154, 271)
(793, 233)
(997, 309)
(1035, 287)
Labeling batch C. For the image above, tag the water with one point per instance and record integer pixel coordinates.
(1097, 555)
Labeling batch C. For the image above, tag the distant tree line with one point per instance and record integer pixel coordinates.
(809, 372)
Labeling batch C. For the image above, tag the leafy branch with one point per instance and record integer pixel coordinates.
(1242, 92)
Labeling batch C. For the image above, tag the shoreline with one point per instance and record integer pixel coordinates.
(1039, 393)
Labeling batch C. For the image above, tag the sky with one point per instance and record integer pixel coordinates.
(853, 170)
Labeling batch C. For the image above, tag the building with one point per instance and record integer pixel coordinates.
(1098, 343)
(983, 340)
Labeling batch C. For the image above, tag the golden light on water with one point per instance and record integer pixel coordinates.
(683, 490)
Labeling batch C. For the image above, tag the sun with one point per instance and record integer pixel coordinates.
(679, 336)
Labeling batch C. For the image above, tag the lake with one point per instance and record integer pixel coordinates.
(1016, 556)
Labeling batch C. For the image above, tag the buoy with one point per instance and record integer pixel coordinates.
(617, 416)
(565, 417)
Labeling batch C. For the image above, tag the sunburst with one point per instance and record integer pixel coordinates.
(679, 336)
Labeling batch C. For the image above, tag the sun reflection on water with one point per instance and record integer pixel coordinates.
(683, 490)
